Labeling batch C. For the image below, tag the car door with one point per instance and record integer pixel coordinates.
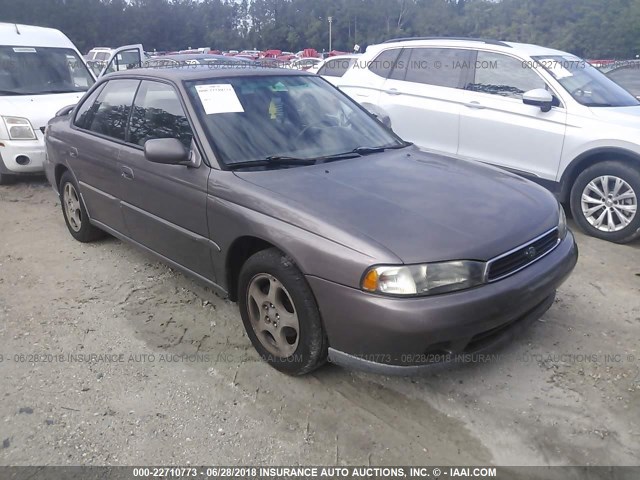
(124, 58)
(422, 97)
(496, 127)
(100, 126)
(164, 206)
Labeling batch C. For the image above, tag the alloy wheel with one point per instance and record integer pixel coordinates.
(71, 202)
(609, 203)
(273, 315)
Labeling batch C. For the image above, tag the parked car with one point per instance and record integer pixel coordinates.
(99, 53)
(41, 71)
(336, 237)
(334, 68)
(544, 114)
(626, 74)
(183, 60)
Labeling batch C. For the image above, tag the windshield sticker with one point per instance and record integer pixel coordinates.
(219, 98)
(24, 50)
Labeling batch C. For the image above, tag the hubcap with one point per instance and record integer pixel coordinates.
(273, 316)
(609, 203)
(71, 203)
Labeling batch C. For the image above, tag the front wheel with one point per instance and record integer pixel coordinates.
(280, 313)
(604, 201)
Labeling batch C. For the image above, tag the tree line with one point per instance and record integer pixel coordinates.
(589, 28)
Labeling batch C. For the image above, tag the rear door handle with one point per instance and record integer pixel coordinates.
(476, 105)
(73, 152)
(393, 91)
(127, 173)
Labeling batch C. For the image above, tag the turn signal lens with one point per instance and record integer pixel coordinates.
(370, 281)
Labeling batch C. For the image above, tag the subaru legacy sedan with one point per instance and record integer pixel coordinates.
(337, 239)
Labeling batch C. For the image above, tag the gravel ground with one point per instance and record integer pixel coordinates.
(176, 381)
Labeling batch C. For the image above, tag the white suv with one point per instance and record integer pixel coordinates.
(544, 114)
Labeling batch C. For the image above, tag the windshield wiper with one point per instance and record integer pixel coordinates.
(272, 160)
(359, 152)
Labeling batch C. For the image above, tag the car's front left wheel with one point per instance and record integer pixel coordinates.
(280, 313)
(74, 211)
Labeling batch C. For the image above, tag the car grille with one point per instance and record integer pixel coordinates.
(516, 260)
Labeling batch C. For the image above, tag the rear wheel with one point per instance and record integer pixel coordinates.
(604, 201)
(75, 213)
(280, 313)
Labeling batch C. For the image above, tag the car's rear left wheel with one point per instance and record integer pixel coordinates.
(75, 213)
(604, 201)
(280, 313)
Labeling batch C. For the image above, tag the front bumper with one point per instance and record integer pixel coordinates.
(12, 150)
(405, 335)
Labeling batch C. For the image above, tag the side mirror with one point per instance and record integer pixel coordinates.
(538, 98)
(65, 111)
(168, 151)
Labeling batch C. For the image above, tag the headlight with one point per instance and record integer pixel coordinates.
(562, 223)
(428, 279)
(19, 128)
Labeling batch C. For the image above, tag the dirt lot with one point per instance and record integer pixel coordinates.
(182, 383)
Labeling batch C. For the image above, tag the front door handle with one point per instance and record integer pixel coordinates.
(476, 105)
(393, 91)
(127, 173)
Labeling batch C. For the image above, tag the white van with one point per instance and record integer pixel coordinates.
(41, 71)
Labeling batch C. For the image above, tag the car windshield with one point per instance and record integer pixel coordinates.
(257, 118)
(586, 84)
(42, 70)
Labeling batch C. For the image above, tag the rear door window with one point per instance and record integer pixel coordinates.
(442, 67)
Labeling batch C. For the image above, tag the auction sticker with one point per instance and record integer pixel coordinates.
(219, 98)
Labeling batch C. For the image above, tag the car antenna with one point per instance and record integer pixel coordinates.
(17, 30)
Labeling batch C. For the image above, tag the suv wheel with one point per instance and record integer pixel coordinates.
(280, 313)
(604, 201)
(75, 213)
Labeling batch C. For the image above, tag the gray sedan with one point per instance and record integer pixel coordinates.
(337, 239)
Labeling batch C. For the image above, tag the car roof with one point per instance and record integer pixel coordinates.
(494, 45)
(32, 36)
(203, 72)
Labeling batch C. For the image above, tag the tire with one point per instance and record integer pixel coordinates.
(618, 217)
(273, 295)
(75, 213)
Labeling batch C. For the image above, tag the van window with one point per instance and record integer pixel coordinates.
(109, 113)
(158, 113)
(499, 74)
(443, 67)
(42, 70)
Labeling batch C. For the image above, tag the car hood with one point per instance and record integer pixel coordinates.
(626, 116)
(421, 207)
(39, 109)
